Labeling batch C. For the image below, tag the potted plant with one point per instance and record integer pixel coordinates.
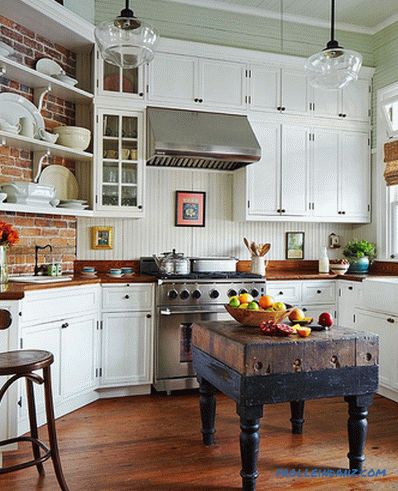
(8, 237)
(359, 253)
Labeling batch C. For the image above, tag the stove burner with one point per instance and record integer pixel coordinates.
(209, 276)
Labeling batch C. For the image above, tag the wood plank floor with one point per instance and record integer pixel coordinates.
(153, 443)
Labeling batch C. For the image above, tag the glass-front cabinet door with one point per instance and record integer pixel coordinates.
(113, 80)
(120, 163)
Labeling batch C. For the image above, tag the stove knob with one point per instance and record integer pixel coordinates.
(232, 293)
(214, 294)
(242, 290)
(254, 293)
(184, 294)
(173, 294)
(196, 294)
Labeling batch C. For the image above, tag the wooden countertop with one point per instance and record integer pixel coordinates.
(16, 291)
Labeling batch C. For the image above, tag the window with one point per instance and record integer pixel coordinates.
(390, 110)
(392, 195)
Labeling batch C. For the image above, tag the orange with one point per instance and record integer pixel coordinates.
(245, 298)
(266, 301)
(303, 332)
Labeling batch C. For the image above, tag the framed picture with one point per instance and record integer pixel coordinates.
(294, 245)
(101, 237)
(190, 208)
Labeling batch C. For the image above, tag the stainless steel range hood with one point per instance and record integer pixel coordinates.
(193, 139)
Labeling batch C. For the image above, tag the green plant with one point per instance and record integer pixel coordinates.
(360, 248)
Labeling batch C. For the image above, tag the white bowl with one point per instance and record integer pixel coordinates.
(28, 193)
(73, 137)
(339, 268)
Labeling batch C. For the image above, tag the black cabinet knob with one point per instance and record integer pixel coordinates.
(200, 100)
(390, 320)
(344, 115)
(65, 325)
(196, 99)
(350, 288)
(141, 94)
(139, 207)
(283, 108)
(279, 108)
(304, 309)
(148, 316)
(283, 210)
(280, 293)
(127, 297)
(319, 292)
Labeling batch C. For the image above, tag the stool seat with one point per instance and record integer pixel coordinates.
(18, 362)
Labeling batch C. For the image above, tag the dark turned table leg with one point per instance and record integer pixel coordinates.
(297, 419)
(207, 410)
(357, 429)
(249, 445)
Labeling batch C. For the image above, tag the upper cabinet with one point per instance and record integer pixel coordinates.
(264, 87)
(192, 81)
(294, 94)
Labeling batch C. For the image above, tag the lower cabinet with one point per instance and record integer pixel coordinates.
(347, 299)
(386, 327)
(316, 310)
(126, 349)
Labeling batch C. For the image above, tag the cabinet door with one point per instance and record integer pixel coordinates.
(346, 302)
(324, 173)
(294, 91)
(386, 328)
(325, 102)
(295, 165)
(79, 355)
(285, 291)
(172, 78)
(117, 81)
(356, 100)
(354, 174)
(222, 83)
(264, 88)
(263, 177)
(126, 349)
(121, 163)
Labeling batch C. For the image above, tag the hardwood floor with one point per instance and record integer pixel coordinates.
(153, 443)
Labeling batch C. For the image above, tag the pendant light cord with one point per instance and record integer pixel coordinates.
(127, 4)
(332, 21)
(281, 27)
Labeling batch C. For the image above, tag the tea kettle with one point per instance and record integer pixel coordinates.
(173, 263)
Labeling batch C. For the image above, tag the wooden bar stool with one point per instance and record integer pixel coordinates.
(22, 364)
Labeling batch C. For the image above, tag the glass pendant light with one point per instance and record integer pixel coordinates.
(334, 67)
(126, 42)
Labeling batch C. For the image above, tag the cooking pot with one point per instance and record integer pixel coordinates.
(173, 263)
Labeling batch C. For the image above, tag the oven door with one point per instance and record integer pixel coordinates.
(174, 338)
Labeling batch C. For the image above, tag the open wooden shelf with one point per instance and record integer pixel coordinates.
(36, 80)
(33, 145)
(13, 207)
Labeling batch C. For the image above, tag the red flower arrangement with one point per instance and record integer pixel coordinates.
(8, 235)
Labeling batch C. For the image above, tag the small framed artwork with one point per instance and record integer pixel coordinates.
(101, 237)
(190, 208)
(294, 245)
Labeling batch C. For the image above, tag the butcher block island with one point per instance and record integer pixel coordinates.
(254, 369)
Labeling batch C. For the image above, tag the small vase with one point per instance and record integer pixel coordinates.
(258, 265)
(359, 266)
(3, 265)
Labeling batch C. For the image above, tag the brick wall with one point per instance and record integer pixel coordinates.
(59, 231)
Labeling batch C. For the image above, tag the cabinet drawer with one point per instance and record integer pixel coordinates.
(284, 291)
(58, 303)
(319, 292)
(123, 297)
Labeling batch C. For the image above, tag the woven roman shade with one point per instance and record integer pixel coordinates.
(391, 160)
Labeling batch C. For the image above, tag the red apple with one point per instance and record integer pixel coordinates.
(325, 319)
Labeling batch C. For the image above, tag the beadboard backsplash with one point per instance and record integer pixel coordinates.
(156, 232)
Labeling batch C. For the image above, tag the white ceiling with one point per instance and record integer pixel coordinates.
(357, 15)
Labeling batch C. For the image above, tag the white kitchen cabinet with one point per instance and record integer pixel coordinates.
(355, 101)
(294, 170)
(347, 299)
(325, 102)
(121, 166)
(324, 172)
(295, 90)
(316, 292)
(264, 87)
(285, 291)
(386, 327)
(222, 83)
(173, 79)
(354, 174)
(126, 349)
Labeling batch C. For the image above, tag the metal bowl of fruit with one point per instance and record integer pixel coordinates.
(252, 313)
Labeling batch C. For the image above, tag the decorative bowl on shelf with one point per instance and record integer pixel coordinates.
(28, 193)
(73, 137)
(339, 268)
(253, 318)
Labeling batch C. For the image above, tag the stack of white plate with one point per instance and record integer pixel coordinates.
(73, 204)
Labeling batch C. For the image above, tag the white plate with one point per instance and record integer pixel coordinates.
(6, 50)
(115, 275)
(66, 79)
(14, 106)
(62, 179)
(90, 275)
(48, 67)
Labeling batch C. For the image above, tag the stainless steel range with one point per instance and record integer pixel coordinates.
(183, 300)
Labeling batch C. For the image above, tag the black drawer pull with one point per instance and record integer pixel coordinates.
(319, 291)
(304, 309)
(148, 316)
(127, 297)
(390, 320)
(64, 326)
(280, 293)
(350, 287)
